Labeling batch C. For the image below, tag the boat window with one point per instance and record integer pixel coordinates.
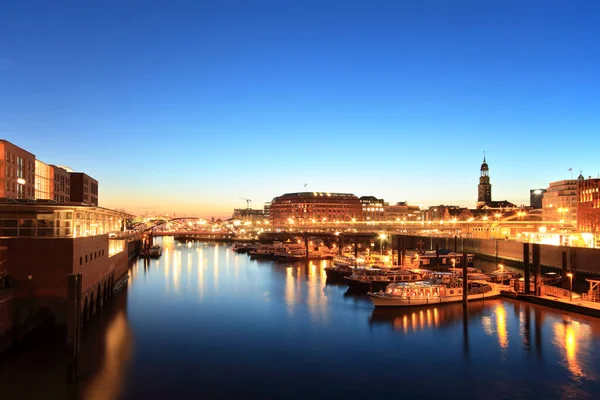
(451, 291)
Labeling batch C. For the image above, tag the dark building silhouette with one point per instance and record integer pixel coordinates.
(84, 188)
(484, 189)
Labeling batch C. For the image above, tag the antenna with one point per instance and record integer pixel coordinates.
(305, 189)
(247, 202)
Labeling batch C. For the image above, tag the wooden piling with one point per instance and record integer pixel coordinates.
(465, 280)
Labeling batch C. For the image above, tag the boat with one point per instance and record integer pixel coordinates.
(155, 251)
(472, 273)
(341, 267)
(242, 247)
(502, 276)
(265, 250)
(422, 293)
(373, 279)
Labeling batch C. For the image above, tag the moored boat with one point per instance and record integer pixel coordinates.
(410, 294)
(373, 279)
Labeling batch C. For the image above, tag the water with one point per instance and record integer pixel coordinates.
(205, 322)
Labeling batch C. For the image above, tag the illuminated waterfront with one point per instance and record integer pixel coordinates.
(204, 321)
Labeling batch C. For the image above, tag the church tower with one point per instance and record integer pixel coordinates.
(484, 189)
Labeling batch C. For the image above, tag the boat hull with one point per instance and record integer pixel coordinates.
(364, 287)
(381, 300)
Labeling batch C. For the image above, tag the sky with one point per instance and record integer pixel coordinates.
(188, 107)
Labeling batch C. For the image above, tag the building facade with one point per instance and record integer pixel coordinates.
(559, 202)
(372, 208)
(17, 172)
(402, 211)
(588, 207)
(248, 214)
(62, 185)
(84, 188)
(305, 208)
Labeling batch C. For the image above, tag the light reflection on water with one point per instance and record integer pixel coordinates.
(213, 314)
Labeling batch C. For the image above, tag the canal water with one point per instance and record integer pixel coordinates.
(205, 322)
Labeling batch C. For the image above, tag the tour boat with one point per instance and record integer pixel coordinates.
(422, 293)
(377, 278)
(341, 267)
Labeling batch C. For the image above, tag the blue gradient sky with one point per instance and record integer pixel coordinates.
(186, 106)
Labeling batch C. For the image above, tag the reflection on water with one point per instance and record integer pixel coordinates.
(573, 339)
(108, 381)
(212, 314)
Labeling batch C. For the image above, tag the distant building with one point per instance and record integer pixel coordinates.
(588, 207)
(484, 189)
(84, 188)
(306, 207)
(372, 208)
(535, 198)
(500, 205)
(17, 172)
(560, 201)
(402, 211)
(248, 214)
(437, 213)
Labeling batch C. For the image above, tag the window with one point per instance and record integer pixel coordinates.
(86, 258)
(80, 260)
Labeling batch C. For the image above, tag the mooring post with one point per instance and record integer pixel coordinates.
(465, 278)
(456, 244)
(355, 253)
(526, 268)
(73, 324)
(306, 245)
(537, 268)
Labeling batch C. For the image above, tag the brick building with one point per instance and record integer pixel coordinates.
(17, 172)
(84, 188)
(305, 207)
(588, 206)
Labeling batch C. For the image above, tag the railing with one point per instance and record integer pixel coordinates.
(592, 295)
(555, 291)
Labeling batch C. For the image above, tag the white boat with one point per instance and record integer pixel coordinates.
(502, 276)
(473, 274)
(422, 293)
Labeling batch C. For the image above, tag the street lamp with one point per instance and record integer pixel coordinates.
(570, 275)
(382, 237)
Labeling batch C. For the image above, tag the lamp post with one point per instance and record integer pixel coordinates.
(570, 275)
(382, 236)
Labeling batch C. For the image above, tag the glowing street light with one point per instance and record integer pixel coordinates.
(570, 275)
(382, 236)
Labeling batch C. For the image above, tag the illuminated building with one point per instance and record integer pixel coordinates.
(560, 201)
(248, 214)
(402, 211)
(588, 206)
(308, 207)
(17, 172)
(372, 208)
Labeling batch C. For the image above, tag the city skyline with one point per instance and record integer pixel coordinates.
(189, 108)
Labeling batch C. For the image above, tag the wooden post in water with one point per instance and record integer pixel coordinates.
(306, 245)
(437, 254)
(392, 240)
(465, 276)
(456, 244)
(340, 244)
(355, 253)
(526, 268)
(537, 268)
(73, 324)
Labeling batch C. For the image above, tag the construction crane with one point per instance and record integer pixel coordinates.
(247, 202)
